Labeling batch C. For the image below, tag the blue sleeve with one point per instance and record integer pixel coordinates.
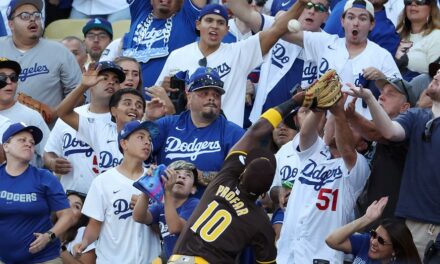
(406, 120)
(139, 7)
(163, 123)
(55, 195)
(357, 242)
(277, 217)
(188, 208)
(333, 24)
(234, 133)
(191, 12)
(155, 210)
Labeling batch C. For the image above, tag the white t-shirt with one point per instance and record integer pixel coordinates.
(112, 51)
(323, 198)
(233, 62)
(121, 240)
(21, 113)
(4, 124)
(330, 52)
(102, 136)
(99, 7)
(287, 162)
(64, 143)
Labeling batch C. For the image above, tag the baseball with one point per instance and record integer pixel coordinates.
(294, 26)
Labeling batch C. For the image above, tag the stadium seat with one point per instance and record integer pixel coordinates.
(62, 28)
(120, 28)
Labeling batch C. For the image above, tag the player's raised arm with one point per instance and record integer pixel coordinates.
(266, 123)
(279, 28)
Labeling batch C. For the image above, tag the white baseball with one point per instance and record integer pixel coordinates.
(294, 26)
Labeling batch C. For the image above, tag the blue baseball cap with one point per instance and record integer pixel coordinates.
(111, 67)
(135, 125)
(14, 4)
(16, 128)
(215, 9)
(98, 23)
(205, 77)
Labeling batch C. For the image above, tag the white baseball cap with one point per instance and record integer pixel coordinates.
(363, 4)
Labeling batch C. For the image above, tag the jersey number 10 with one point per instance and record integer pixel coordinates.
(327, 196)
(210, 225)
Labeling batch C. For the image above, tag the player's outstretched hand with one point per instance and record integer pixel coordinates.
(39, 243)
(358, 92)
(374, 211)
(90, 77)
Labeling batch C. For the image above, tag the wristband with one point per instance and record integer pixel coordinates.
(273, 116)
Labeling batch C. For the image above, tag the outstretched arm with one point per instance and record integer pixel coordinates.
(309, 130)
(279, 28)
(391, 130)
(266, 123)
(340, 238)
(366, 128)
(246, 13)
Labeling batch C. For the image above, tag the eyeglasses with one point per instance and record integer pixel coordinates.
(380, 239)
(100, 36)
(427, 133)
(3, 77)
(26, 16)
(318, 7)
(418, 2)
(203, 62)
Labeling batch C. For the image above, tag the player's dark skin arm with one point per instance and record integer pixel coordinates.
(269, 37)
(263, 128)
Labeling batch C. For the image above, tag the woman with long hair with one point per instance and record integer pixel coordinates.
(132, 70)
(419, 30)
(390, 242)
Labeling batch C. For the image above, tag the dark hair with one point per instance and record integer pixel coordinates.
(432, 21)
(403, 244)
(116, 98)
(121, 59)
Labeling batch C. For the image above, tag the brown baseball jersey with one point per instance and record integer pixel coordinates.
(226, 220)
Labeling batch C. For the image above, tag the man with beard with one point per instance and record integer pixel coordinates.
(49, 70)
(200, 135)
(356, 59)
(98, 33)
(419, 202)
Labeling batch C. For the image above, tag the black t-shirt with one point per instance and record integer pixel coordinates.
(226, 221)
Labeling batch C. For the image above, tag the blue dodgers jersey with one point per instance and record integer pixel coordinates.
(206, 147)
(26, 202)
(136, 41)
(184, 211)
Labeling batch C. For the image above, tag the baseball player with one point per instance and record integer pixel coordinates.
(330, 177)
(121, 239)
(233, 62)
(49, 70)
(227, 218)
(356, 59)
(125, 105)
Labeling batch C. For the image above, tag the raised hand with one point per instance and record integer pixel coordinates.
(374, 211)
(169, 180)
(90, 77)
(155, 109)
(350, 111)
(358, 92)
(372, 73)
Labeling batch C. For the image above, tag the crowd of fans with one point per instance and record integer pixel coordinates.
(214, 91)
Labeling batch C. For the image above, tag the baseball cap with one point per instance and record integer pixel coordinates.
(19, 127)
(14, 4)
(215, 9)
(10, 64)
(111, 67)
(136, 125)
(205, 77)
(259, 171)
(434, 67)
(400, 85)
(98, 23)
(363, 4)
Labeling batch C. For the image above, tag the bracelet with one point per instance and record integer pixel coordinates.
(273, 116)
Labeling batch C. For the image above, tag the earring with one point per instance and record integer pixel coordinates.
(393, 258)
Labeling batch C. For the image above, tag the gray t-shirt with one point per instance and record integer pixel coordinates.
(49, 70)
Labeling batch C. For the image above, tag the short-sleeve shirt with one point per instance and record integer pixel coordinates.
(360, 244)
(227, 220)
(26, 203)
(158, 212)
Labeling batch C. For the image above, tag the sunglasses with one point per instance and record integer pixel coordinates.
(318, 7)
(25, 16)
(13, 78)
(380, 239)
(418, 2)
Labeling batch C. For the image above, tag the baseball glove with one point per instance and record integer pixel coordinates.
(44, 110)
(325, 92)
